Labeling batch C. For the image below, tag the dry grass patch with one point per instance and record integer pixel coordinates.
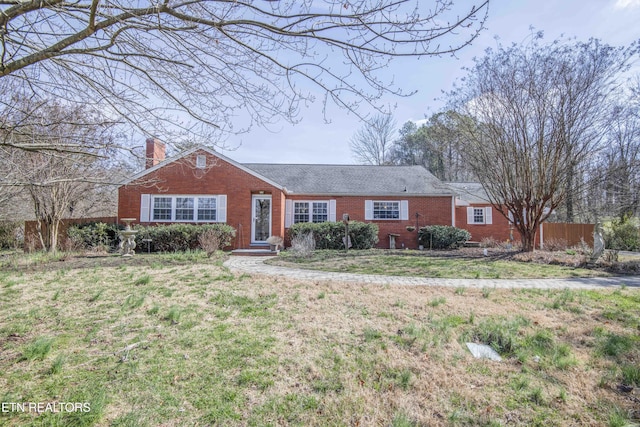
(173, 343)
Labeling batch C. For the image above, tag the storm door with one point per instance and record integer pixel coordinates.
(261, 218)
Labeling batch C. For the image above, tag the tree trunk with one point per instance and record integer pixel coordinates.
(40, 236)
(570, 195)
(528, 238)
(53, 236)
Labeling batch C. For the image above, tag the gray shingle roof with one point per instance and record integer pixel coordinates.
(471, 192)
(352, 179)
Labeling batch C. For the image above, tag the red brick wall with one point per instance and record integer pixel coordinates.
(219, 177)
(431, 210)
(498, 230)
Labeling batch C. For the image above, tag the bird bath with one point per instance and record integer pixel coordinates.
(127, 238)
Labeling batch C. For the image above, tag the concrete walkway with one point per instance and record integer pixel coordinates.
(256, 265)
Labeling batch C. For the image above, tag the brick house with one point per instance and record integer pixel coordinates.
(261, 200)
(475, 213)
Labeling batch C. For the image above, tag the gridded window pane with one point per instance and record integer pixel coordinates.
(300, 212)
(206, 209)
(162, 208)
(184, 208)
(386, 210)
(320, 212)
(478, 216)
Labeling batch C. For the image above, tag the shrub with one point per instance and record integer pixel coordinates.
(442, 236)
(622, 235)
(329, 235)
(303, 245)
(555, 244)
(183, 237)
(210, 242)
(94, 235)
(11, 234)
(489, 242)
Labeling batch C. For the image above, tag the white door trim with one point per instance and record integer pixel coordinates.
(254, 199)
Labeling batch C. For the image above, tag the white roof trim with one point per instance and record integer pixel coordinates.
(213, 153)
(462, 202)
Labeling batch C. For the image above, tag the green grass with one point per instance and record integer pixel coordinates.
(37, 349)
(630, 375)
(190, 343)
(437, 301)
(429, 264)
(500, 333)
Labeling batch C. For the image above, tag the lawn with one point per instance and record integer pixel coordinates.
(464, 264)
(178, 340)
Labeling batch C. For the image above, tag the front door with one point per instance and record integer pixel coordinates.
(261, 218)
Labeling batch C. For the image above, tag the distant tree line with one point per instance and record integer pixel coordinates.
(549, 129)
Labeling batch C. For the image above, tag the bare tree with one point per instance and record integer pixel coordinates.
(621, 161)
(58, 182)
(372, 142)
(229, 65)
(532, 115)
(436, 145)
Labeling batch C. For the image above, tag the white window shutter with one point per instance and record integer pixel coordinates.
(470, 215)
(404, 210)
(222, 208)
(488, 215)
(368, 209)
(332, 210)
(288, 213)
(145, 207)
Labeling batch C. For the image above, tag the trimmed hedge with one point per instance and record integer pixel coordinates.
(180, 237)
(329, 235)
(165, 238)
(442, 236)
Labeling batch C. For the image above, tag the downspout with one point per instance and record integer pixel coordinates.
(453, 211)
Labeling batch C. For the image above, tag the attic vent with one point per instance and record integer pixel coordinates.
(201, 162)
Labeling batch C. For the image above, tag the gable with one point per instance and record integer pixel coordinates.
(183, 160)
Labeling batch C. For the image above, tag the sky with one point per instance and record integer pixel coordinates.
(313, 141)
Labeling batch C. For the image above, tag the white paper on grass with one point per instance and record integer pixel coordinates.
(483, 351)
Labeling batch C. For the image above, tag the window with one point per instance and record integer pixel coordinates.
(300, 212)
(320, 212)
(162, 208)
(296, 211)
(188, 208)
(310, 212)
(201, 161)
(478, 216)
(386, 210)
(206, 208)
(184, 208)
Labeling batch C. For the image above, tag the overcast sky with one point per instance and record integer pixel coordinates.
(616, 22)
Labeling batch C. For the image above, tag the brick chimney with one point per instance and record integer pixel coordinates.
(155, 152)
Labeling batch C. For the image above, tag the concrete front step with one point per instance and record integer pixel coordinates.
(254, 252)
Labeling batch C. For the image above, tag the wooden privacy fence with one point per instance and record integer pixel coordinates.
(571, 233)
(32, 241)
